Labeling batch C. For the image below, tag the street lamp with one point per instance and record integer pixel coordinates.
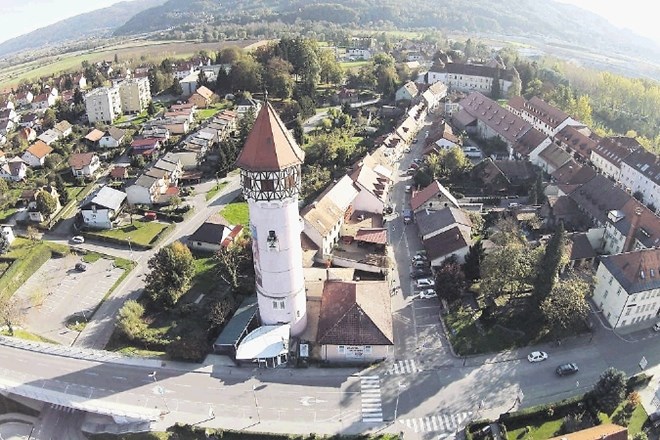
(130, 250)
(160, 391)
(256, 403)
(396, 405)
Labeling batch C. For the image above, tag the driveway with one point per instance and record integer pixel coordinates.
(57, 291)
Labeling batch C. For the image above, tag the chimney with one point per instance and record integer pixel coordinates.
(634, 223)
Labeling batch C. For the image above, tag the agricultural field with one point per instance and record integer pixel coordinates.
(134, 51)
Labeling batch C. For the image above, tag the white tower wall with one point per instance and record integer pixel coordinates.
(278, 262)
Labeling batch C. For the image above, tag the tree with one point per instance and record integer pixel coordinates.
(172, 268)
(49, 118)
(4, 244)
(495, 88)
(610, 390)
(46, 203)
(507, 270)
(553, 260)
(330, 69)
(151, 108)
(246, 74)
(221, 310)
(4, 188)
(176, 88)
(307, 107)
(61, 190)
(10, 312)
(230, 261)
(277, 78)
(450, 280)
(191, 346)
(130, 321)
(566, 308)
(473, 259)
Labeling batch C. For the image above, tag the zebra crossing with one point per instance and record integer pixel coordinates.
(372, 406)
(437, 423)
(404, 367)
(62, 408)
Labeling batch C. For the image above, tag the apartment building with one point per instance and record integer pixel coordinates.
(103, 104)
(135, 94)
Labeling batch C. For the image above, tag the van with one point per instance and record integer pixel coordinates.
(407, 216)
(150, 215)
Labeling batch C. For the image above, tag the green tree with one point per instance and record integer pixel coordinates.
(4, 244)
(307, 107)
(202, 79)
(46, 204)
(130, 320)
(156, 81)
(60, 186)
(316, 179)
(507, 270)
(610, 390)
(191, 346)
(221, 310)
(473, 259)
(450, 280)
(566, 308)
(229, 55)
(554, 258)
(49, 118)
(232, 261)
(496, 88)
(4, 188)
(172, 268)
(176, 88)
(278, 79)
(246, 75)
(330, 69)
(151, 109)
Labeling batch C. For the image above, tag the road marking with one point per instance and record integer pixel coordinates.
(372, 408)
(406, 366)
(434, 423)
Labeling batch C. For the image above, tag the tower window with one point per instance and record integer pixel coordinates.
(272, 240)
(267, 185)
(247, 182)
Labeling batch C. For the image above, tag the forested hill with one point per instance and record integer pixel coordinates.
(537, 19)
(98, 23)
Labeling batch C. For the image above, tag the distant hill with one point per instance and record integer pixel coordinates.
(99, 23)
(544, 20)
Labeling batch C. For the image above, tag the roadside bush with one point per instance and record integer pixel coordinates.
(637, 381)
(190, 347)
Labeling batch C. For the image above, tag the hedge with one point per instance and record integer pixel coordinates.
(20, 270)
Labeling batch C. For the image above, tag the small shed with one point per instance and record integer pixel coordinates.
(241, 323)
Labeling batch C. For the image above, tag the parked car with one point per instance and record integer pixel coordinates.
(415, 141)
(414, 165)
(537, 356)
(78, 239)
(150, 215)
(656, 327)
(427, 294)
(407, 150)
(80, 267)
(420, 264)
(418, 160)
(388, 209)
(411, 171)
(424, 283)
(419, 257)
(407, 216)
(419, 273)
(421, 252)
(567, 369)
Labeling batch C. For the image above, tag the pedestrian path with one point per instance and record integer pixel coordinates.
(404, 367)
(441, 422)
(372, 406)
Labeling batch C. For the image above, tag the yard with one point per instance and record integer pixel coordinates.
(142, 233)
(236, 213)
(206, 113)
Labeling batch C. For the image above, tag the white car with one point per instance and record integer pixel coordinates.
(407, 150)
(537, 356)
(408, 188)
(424, 283)
(656, 327)
(427, 294)
(418, 258)
(78, 239)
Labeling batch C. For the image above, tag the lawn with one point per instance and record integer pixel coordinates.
(139, 232)
(354, 65)
(205, 274)
(206, 113)
(74, 191)
(215, 190)
(236, 213)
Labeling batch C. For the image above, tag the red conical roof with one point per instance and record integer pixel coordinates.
(269, 146)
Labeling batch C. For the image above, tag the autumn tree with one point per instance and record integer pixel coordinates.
(232, 260)
(473, 259)
(172, 268)
(566, 308)
(450, 280)
(130, 321)
(10, 312)
(221, 310)
(554, 258)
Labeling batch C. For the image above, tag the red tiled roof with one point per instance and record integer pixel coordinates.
(95, 135)
(372, 235)
(79, 161)
(508, 125)
(119, 172)
(39, 149)
(150, 143)
(269, 146)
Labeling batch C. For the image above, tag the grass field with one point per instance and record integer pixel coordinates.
(142, 233)
(135, 51)
(215, 190)
(236, 213)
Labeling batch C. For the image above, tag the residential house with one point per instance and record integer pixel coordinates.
(49, 136)
(627, 289)
(64, 128)
(323, 218)
(454, 242)
(103, 104)
(606, 157)
(504, 176)
(581, 252)
(487, 119)
(373, 188)
(431, 223)
(100, 210)
(551, 158)
(434, 196)
(355, 322)
(172, 164)
(143, 191)
(187, 115)
(213, 235)
(23, 99)
(156, 131)
(6, 126)
(573, 173)
(245, 105)
(605, 431)
(36, 154)
(28, 134)
(146, 147)
(175, 126)
(433, 96)
(459, 77)
(543, 116)
(640, 174)
(134, 94)
(597, 198)
(202, 98)
(112, 138)
(43, 102)
(631, 227)
(189, 83)
(579, 141)
(14, 169)
(530, 144)
(347, 96)
(9, 114)
(407, 130)
(406, 92)
(30, 120)
(84, 164)
(356, 53)
(94, 136)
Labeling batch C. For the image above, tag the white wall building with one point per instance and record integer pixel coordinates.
(103, 104)
(135, 94)
(100, 210)
(627, 287)
(270, 177)
(640, 172)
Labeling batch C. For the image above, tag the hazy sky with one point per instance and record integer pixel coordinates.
(18, 17)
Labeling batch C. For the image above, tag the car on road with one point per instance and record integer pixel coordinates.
(537, 356)
(421, 252)
(656, 327)
(419, 273)
(408, 188)
(411, 171)
(418, 161)
(427, 294)
(415, 141)
(78, 239)
(414, 165)
(388, 209)
(80, 267)
(407, 150)
(419, 257)
(567, 369)
(420, 264)
(407, 216)
(423, 283)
